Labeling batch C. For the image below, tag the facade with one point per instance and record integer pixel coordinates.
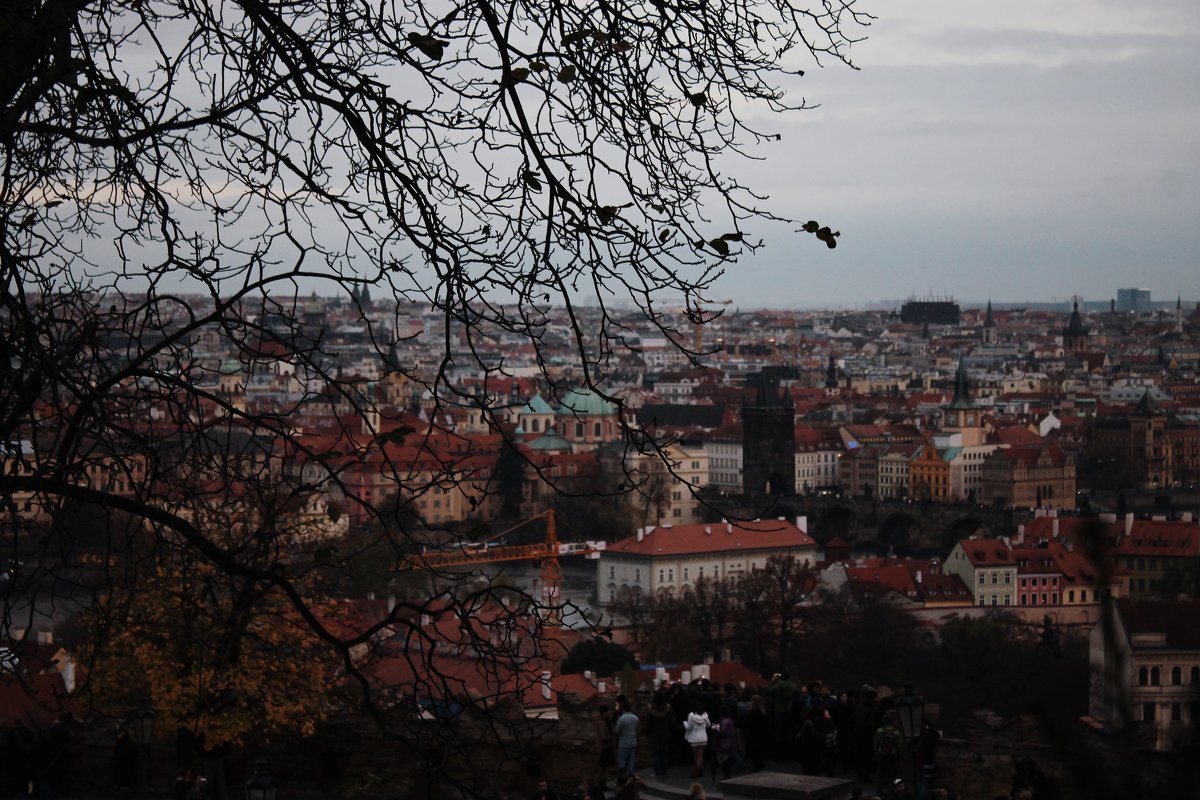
(1148, 672)
(724, 449)
(671, 557)
(1028, 477)
(1157, 448)
(929, 475)
(987, 568)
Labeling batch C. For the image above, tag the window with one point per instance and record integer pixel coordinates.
(1195, 676)
(1044, 599)
(671, 575)
(1176, 712)
(1176, 676)
(1155, 676)
(685, 573)
(1071, 596)
(637, 575)
(995, 578)
(578, 430)
(660, 575)
(1007, 578)
(595, 428)
(1054, 598)
(700, 573)
(612, 572)
(1148, 712)
(1143, 677)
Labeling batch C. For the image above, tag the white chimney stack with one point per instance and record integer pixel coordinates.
(918, 576)
(1054, 528)
(802, 523)
(1129, 523)
(546, 685)
(641, 534)
(686, 677)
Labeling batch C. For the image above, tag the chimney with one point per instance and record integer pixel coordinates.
(601, 687)
(546, 685)
(1021, 531)
(45, 637)
(1129, 523)
(686, 677)
(708, 530)
(391, 603)
(729, 527)
(1054, 529)
(1069, 544)
(641, 534)
(802, 523)
(1108, 517)
(1186, 516)
(918, 576)
(589, 676)
(726, 655)
(708, 659)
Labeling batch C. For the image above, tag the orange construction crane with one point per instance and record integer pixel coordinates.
(485, 552)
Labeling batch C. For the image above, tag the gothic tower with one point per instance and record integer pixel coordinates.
(769, 441)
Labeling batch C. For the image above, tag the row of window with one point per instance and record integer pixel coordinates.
(1152, 676)
(1150, 712)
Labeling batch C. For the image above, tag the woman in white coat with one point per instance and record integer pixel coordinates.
(695, 731)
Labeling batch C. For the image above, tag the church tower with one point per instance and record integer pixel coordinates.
(1075, 335)
(769, 442)
(989, 326)
(961, 415)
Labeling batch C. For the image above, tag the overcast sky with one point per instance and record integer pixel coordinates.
(1025, 150)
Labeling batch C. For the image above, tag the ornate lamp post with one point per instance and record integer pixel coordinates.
(141, 720)
(260, 785)
(911, 708)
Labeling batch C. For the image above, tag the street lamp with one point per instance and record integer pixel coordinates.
(260, 785)
(911, 708)
(142, 721)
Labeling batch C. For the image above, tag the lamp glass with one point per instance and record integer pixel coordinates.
(260, 785)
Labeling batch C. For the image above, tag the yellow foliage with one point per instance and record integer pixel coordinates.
(224, 658)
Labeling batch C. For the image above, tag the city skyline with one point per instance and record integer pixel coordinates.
(989, 151)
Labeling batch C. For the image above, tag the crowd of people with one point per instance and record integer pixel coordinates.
(727, 730)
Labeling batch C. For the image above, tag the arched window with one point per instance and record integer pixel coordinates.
(1195, 676)
(1155, 677)
(1176, 676)
(1143, 676)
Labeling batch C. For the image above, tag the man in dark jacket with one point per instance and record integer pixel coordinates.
(662, 728)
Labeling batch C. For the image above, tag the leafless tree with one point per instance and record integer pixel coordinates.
(182, 182)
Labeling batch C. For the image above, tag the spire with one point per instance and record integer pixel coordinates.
(1147, 406)
(962, 389)
(989, 321)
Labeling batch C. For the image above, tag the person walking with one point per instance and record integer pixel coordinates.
(888, 740)
(660, 727)
(695, 732)
(626, 731)
(756, 734)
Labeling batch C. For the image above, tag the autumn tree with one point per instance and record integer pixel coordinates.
(189, 189)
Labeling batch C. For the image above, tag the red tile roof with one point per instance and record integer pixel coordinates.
(1175, 619)
(771, 534)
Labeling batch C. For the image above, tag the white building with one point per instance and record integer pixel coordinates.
(670, 557)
